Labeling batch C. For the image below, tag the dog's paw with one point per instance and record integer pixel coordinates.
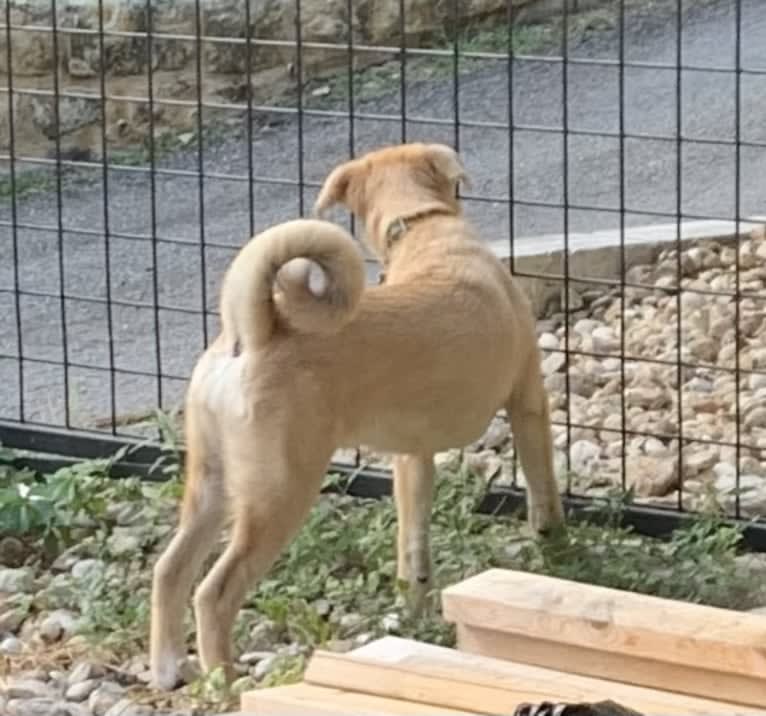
(171, 673)
(546, 518)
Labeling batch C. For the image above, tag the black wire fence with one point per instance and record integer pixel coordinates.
(616, 151)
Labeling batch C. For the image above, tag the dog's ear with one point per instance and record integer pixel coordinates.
(445, 162)
(338, 188)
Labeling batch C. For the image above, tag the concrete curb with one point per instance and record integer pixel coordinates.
(598, 255)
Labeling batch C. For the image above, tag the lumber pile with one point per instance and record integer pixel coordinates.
(526, 639)
(616, 635)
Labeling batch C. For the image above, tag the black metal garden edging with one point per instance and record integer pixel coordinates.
(50, 449)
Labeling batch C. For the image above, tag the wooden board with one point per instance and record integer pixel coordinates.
(715, 653)
(447, 678)
(309, 700)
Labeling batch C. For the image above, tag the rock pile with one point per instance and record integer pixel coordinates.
(666, 359)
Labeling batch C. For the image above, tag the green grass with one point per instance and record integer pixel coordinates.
(30, 181)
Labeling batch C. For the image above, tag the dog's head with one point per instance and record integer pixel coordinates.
(394, 182)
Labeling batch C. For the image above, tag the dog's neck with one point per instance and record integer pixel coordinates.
(396, 228)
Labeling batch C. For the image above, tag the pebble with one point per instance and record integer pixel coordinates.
(123, 542)
(253, 657)
(128, 707)
(11, 645)
(264, 667)
(88, 569)
(263, 636)
(11, 619)
(58, 625)
(19, 580)
(584, 456)
(84, 671)
(106, 695)
(81, 690)
(391, 623)
(27, 688)
(548, 342)
(12, 552)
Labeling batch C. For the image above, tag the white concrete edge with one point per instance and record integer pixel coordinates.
(549, 244)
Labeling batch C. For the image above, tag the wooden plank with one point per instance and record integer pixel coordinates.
(310, 700)
(685, 681)
(448, 678)
(611, 633)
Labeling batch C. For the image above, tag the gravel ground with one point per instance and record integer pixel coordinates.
(144, 341)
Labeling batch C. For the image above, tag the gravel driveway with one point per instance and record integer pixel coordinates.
(707, 169)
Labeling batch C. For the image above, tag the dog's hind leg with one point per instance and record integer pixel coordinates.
(202, 515)
(413, 493)
(530, 420)
(272, 494)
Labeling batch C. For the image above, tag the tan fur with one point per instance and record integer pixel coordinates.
(308, 361)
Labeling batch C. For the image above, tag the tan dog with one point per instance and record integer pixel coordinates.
(309, 360)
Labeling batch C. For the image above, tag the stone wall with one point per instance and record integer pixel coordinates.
(125, 56)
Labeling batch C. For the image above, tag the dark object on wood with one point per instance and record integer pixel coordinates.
(600, 708)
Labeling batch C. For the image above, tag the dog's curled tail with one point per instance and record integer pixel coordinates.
(307, 274)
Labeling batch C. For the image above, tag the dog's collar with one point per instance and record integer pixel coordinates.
(401, 224)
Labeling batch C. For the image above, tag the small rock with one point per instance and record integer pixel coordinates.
(20, 580)
(104, 697)
(253, 657)
(322, 91)
(548, 342)
(350, 622)
(652, 477)
(122, 542)
(586, 326)
(756, 418)
(604, 340)
(127, 707)
(11, 619)
(497, 434)
(25, 688)
(485, 464)
(700, 460)
(81, 690)
(84, 671)
(12, 552)
(322, 607)
(264, 667)
(727, 483)
(553, 363)
(651, 397)
(363, 638)
(11, 645)
(756, 381)
(654, 447)
(80, 68)
(43, 706)
(264, 635)
(59, 624)
(752, 566)
(88, 569)
(391, 623)
(584, 456)
(339, 646)
(450, 460)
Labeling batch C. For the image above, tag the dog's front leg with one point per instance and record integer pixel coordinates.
(413, 493)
